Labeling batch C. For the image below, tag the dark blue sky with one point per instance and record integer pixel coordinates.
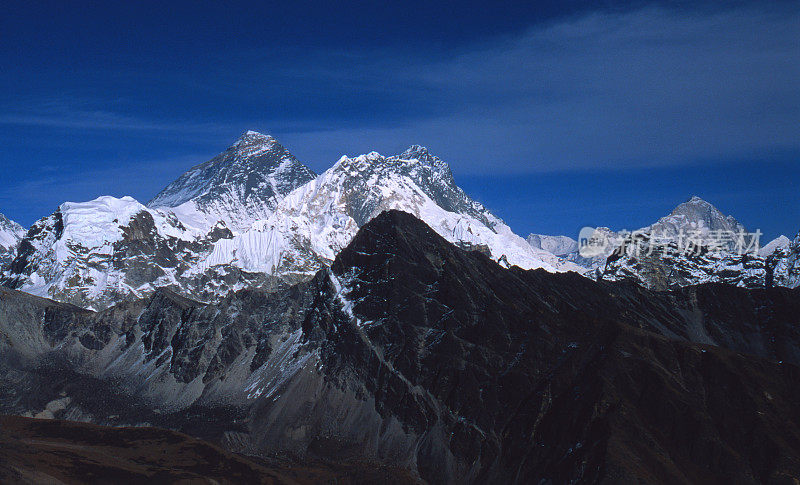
(554, 114)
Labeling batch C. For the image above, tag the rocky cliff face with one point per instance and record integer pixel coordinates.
(783, 264)
(413, 352)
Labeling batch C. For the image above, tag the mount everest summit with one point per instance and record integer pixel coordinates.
(253, 215)
(240, 186)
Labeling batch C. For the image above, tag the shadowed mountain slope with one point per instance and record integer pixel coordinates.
(412, 352)
(47, 451)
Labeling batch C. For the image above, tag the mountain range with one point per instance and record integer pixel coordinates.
(255, 215)
(256, 321)
(410, 352)
(252, 215)
(695, 243)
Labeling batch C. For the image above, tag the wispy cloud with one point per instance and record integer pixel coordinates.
(646, 88)
(651, 87)
(102, 120)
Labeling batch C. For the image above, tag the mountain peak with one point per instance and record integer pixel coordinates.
(416, 152)
(697, 201)
(423, 157)
(5, 222)
(251, 137)
(696, 218)
(779, 242)
(392, 233)
(697, 209)
(239, 186)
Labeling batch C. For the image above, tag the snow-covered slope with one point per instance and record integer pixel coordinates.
(558, 245)
(314, 222)
(772, 246)
(10, 235)
(239, 186)
(93, 253)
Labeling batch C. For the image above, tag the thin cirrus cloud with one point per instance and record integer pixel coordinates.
(654, 103)
(646, 88)
(650, 87)
(78, 119)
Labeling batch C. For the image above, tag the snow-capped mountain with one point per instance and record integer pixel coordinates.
(93, 254)
(698, 221)
(558, 245)
(772, 246)
(696, 244)
(239, 186)
(783, 263)
(314, 222)
(10, 235)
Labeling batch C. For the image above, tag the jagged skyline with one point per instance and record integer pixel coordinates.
(554, 115)
(222, 160)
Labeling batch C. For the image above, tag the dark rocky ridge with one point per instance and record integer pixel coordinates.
(412, 352)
